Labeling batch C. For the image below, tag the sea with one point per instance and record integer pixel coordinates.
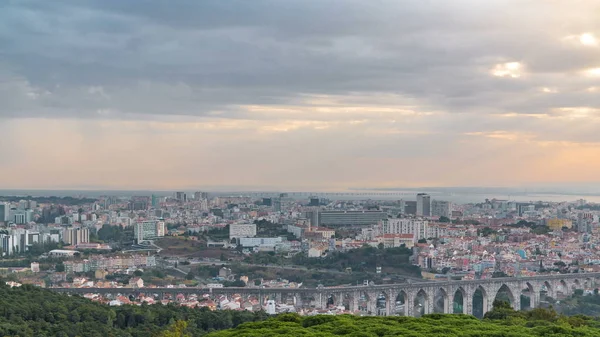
(460, 195)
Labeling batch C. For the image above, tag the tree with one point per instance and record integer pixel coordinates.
(60, 267)
(190, 276)
(422, 241)
(444, 219)
(381, 245)
(486, 231)
(177, 329)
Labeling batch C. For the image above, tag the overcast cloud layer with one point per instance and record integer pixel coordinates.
(298, 94)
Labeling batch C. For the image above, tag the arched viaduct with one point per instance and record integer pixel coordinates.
(409, 299)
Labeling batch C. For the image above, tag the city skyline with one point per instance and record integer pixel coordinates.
(301, 95)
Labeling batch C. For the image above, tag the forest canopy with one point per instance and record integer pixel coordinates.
(502, 322)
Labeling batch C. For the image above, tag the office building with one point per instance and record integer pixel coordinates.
(348, 218)
(8, 244)
(181, 196)
(139, 203)
(267, 202)
(313, 217)
(148, 230)
(410, 207)
(4, 212)
(523, 208)
(277, 204)
(423, 204)
(21, 216)
(441, 208)
(155, 201)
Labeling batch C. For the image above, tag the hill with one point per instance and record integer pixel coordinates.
(31, 311)
(501, 323)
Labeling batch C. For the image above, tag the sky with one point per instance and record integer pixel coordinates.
(305, 95)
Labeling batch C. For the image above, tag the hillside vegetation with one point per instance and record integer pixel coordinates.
(501, 322)
(31, 311)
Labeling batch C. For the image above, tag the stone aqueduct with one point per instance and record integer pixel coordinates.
(417, 297)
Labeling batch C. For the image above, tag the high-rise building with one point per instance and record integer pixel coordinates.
(21, 216)
(4, 212)
(8, 244)
(200, 195)
(410, 207)
(277, 204)
(423, 204)
(402, 206)
(181, 196)
(523, 208)
(75, 236)
(22, 204)
(441, 208)
(138, 203)
(148, 229)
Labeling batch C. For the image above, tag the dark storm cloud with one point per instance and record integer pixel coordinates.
(204, 58)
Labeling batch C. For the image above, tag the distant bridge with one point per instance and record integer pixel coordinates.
(416, 297)
(320, 194)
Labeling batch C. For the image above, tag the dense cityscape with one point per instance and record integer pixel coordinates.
(314, 168)
(273, 240)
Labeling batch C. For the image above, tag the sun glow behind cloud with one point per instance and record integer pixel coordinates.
(509, 69)
(588, 39)
(593, 72)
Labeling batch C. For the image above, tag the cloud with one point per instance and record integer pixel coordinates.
(399, 83)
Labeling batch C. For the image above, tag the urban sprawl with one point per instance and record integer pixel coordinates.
(205, 241)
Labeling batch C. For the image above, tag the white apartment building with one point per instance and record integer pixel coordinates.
(148, 229)
(75, 236)
(418, 227)
(17, 241)
(437, 230)
(242, 230)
